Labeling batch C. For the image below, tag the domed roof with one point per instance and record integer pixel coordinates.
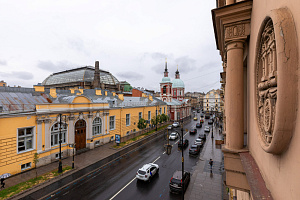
(177, 83)
(82, 74)
(165, 80)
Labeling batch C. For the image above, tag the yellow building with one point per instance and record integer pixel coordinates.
(30, 121)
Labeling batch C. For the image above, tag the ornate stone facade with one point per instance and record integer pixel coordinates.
(267, 83)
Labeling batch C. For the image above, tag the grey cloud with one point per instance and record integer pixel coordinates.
(19, 75)
(130, 75)
(186, 64)
(3, 62)
(159, 68)
(78, 44)
(60, 66)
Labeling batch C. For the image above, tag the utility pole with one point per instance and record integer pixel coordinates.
(59, 162)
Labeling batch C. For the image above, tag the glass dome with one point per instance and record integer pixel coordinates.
(83, 74)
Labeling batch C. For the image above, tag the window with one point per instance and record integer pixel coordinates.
(25, 137)
(140, 115)
(26, 166)
(207, 100)
(128, 132)
(97, 126)
(160, 111)
(207, 105)
(112, 122)
(127, 119)
(149, 115)
(55, 134)
(164, 110)
(174, 92)
(216, 100)
(57, 155)
(156, 113)
(164, 90)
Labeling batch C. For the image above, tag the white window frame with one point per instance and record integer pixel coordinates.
(97, 126)
(149, 115)
(112, 122)
(54, 132)
(160, 111)
(140, 115)
(127, 119)
(26, 136)
(25, 166)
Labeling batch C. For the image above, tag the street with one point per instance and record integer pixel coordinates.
(116, 180)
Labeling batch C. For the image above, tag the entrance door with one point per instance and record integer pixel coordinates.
(80, 134)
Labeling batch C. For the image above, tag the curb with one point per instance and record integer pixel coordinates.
(126, 150)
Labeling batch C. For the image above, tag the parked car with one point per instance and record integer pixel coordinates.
(202, 137)
(173, 136)
(147, 172)
(185, 143)
(193, 131)
(176, 181)
(175, 124)
(195, 118)
(194, 149)
(206, 129)
(198, 125)
(210, 121)
(170, 127)
(199, 142)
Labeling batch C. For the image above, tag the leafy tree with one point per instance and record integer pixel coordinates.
(35, 161)
(142, 124)
(164, 117)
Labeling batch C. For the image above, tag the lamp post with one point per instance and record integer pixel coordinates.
(182, 160)
(156, 118)
(73, 163)
(59, 162)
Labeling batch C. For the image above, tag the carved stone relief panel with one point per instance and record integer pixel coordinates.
(267, 83)
(276, 81)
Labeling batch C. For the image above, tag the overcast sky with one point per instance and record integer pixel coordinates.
(130, 38)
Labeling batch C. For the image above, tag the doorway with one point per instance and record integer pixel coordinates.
(80, 134)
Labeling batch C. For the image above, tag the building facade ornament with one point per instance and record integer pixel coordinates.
(276, 81)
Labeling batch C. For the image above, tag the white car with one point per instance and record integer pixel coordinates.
(147, 172)
(206, 129)
(175, 124)
(170, 127)
(173, 136)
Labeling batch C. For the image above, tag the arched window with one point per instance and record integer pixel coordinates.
(97, 126)
(55, 133)
(164, 89)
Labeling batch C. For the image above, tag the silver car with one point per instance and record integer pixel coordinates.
(175, 124)
(173, 136)
(206, 129)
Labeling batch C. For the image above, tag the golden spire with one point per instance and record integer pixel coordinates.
(177, 67)
(166, 59)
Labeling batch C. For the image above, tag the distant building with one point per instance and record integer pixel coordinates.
(172, 92)
(125, 86)
(85, 77)
(212, 101)
(2, 84)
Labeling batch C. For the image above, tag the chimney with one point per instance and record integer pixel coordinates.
(96, 82)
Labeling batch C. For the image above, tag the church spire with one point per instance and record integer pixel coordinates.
(166, 73)
(177, 76)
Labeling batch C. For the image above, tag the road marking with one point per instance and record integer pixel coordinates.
(130, 182)
(122, 188)
(164, 152)
(156, 159)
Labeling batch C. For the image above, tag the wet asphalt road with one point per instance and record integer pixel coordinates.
(117, 180)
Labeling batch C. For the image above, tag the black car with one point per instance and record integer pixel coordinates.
(185, 143)
(198, 111)
(202, 136)
(176, 181)
(193, 131)
(199, 125)
(210, 121)
(194, 149)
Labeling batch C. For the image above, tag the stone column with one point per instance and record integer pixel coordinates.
(71, 132)
(39, 136)
(234, 98)
(47, 135)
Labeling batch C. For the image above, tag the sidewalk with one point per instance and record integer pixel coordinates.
(207, 184)
(81, 161)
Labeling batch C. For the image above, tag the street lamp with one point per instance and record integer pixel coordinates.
(182, 160)
(60, 126)
(73, 145)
